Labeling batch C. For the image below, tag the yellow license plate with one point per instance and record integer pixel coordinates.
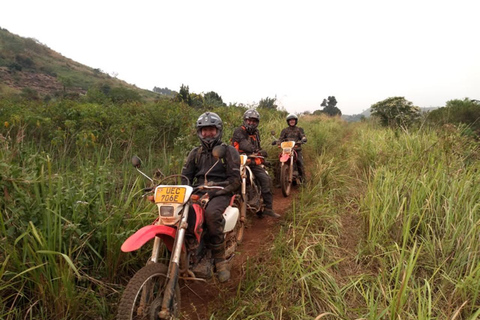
(170, 194)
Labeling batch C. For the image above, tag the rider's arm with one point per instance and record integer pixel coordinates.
(189, 168)
(283, 135)
(232, 159)
(240, 137)
(303, 137)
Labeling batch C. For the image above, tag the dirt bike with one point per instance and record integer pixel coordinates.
(154, 291)
(288, 165)
(251, 191)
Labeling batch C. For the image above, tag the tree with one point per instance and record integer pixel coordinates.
(213, 99)
(395, 112)
(330, 107)
(268, 103)
(184, 95)
(164, 91)
(124, 95)
(466, 111)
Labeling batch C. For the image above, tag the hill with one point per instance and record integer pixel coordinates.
(28, 66)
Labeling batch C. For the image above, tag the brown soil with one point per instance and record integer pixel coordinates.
(43, 84)
(199, 298)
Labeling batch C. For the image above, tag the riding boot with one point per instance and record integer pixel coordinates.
(269, 212)
(222, 266)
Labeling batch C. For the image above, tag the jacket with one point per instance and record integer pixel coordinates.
(247, 143)
(200, 160)
(292, 134)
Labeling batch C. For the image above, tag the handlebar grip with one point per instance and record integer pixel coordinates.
(148, 189)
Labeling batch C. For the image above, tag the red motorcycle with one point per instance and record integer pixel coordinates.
(154, 291)
(288, 165)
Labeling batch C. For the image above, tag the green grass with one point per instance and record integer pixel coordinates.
(416, 193)
(385, 228)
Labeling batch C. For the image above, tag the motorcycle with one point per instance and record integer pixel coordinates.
(251, 191)
(288, 165)
(154, 291)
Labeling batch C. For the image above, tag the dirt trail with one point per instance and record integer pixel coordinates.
(198, 297)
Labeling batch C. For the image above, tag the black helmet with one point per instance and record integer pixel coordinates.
(251, 114)
(290, 117)
(209, 119)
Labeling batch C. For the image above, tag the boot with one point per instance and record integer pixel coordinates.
(271, 213)
(222, 266)
(223, 270)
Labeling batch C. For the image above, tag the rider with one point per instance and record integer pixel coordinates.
(246, 139)
(294, 133)
(209, 130)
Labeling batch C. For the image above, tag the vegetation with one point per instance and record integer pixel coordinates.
(396, 112)
(268, 103)
(329, 107)
(386, 227)
(26, 65)
(466, 112)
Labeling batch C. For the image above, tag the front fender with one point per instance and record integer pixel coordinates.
(147, 233)
(284, 157)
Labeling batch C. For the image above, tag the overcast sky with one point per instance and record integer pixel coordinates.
(298, 51)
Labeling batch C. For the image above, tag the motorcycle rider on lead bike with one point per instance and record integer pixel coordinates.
(246, 139)
(209, 130)
(294, 133)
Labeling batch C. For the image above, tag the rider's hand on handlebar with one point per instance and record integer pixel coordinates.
(263, 153)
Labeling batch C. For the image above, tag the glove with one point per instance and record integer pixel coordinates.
(263, 153)
(230, 189)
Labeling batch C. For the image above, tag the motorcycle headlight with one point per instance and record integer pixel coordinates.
(166, 211)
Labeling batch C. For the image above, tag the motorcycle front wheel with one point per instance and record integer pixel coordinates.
(285, 180)
(143, 295)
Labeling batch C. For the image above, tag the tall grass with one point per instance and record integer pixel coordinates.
(415, 197)
(386, 226)
(71, 197)
(62, 228)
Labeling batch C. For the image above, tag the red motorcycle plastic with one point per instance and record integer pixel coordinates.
(154, 291)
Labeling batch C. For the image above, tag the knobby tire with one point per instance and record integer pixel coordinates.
(285, 180)
(151, 277)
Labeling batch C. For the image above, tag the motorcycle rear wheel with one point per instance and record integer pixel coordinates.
(285, 180)
(142, 297)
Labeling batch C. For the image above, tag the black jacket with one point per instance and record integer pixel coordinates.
(292, 134)
(244, 142)
(200, 160)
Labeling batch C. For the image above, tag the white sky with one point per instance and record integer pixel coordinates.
(298, 51)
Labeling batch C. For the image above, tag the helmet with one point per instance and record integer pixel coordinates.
(290, 117)
(251, 114)
(209, 119)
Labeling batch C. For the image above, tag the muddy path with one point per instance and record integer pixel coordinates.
(199, 298)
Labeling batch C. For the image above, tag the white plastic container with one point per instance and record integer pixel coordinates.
(231, 216)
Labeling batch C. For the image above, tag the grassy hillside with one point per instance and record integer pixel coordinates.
(31, 67)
